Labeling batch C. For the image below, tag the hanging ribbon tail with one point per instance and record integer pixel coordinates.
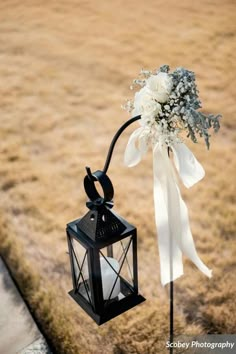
(135, 148)
(171, 214)
(186, 240)
(188, 167)
(166, 202)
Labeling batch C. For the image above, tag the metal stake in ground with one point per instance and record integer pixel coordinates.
(171, 298)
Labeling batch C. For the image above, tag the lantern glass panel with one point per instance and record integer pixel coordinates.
(80, 266)
(116, 263)
(123, 250)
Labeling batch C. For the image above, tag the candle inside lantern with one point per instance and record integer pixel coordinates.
(109, 275)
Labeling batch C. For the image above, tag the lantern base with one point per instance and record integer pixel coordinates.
(114, 309)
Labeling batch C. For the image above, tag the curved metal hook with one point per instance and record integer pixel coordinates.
(114, 140)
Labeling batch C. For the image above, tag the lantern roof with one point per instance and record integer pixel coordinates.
(99, 228)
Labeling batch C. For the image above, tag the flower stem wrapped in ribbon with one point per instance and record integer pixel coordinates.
(168, 103)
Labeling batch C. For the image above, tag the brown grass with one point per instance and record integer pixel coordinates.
(66, 67)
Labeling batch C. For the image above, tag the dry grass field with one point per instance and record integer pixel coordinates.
(66, 68)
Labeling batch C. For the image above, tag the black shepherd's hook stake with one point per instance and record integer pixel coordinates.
(106, 166)
(171, 289)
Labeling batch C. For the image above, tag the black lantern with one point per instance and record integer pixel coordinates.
(103, 252)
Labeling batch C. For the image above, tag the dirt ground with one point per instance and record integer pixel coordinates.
(66, 68)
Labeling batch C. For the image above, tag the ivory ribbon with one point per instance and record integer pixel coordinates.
(171, 213)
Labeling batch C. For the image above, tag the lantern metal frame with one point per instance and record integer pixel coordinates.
(103, 310)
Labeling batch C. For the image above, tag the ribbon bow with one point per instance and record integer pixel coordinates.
(171, 213)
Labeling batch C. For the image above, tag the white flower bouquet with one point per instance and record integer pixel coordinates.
(168, 103)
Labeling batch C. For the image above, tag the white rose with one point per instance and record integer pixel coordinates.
(145, 104)
(160, 86)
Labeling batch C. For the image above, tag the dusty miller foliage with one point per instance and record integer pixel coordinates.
(183, 104)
